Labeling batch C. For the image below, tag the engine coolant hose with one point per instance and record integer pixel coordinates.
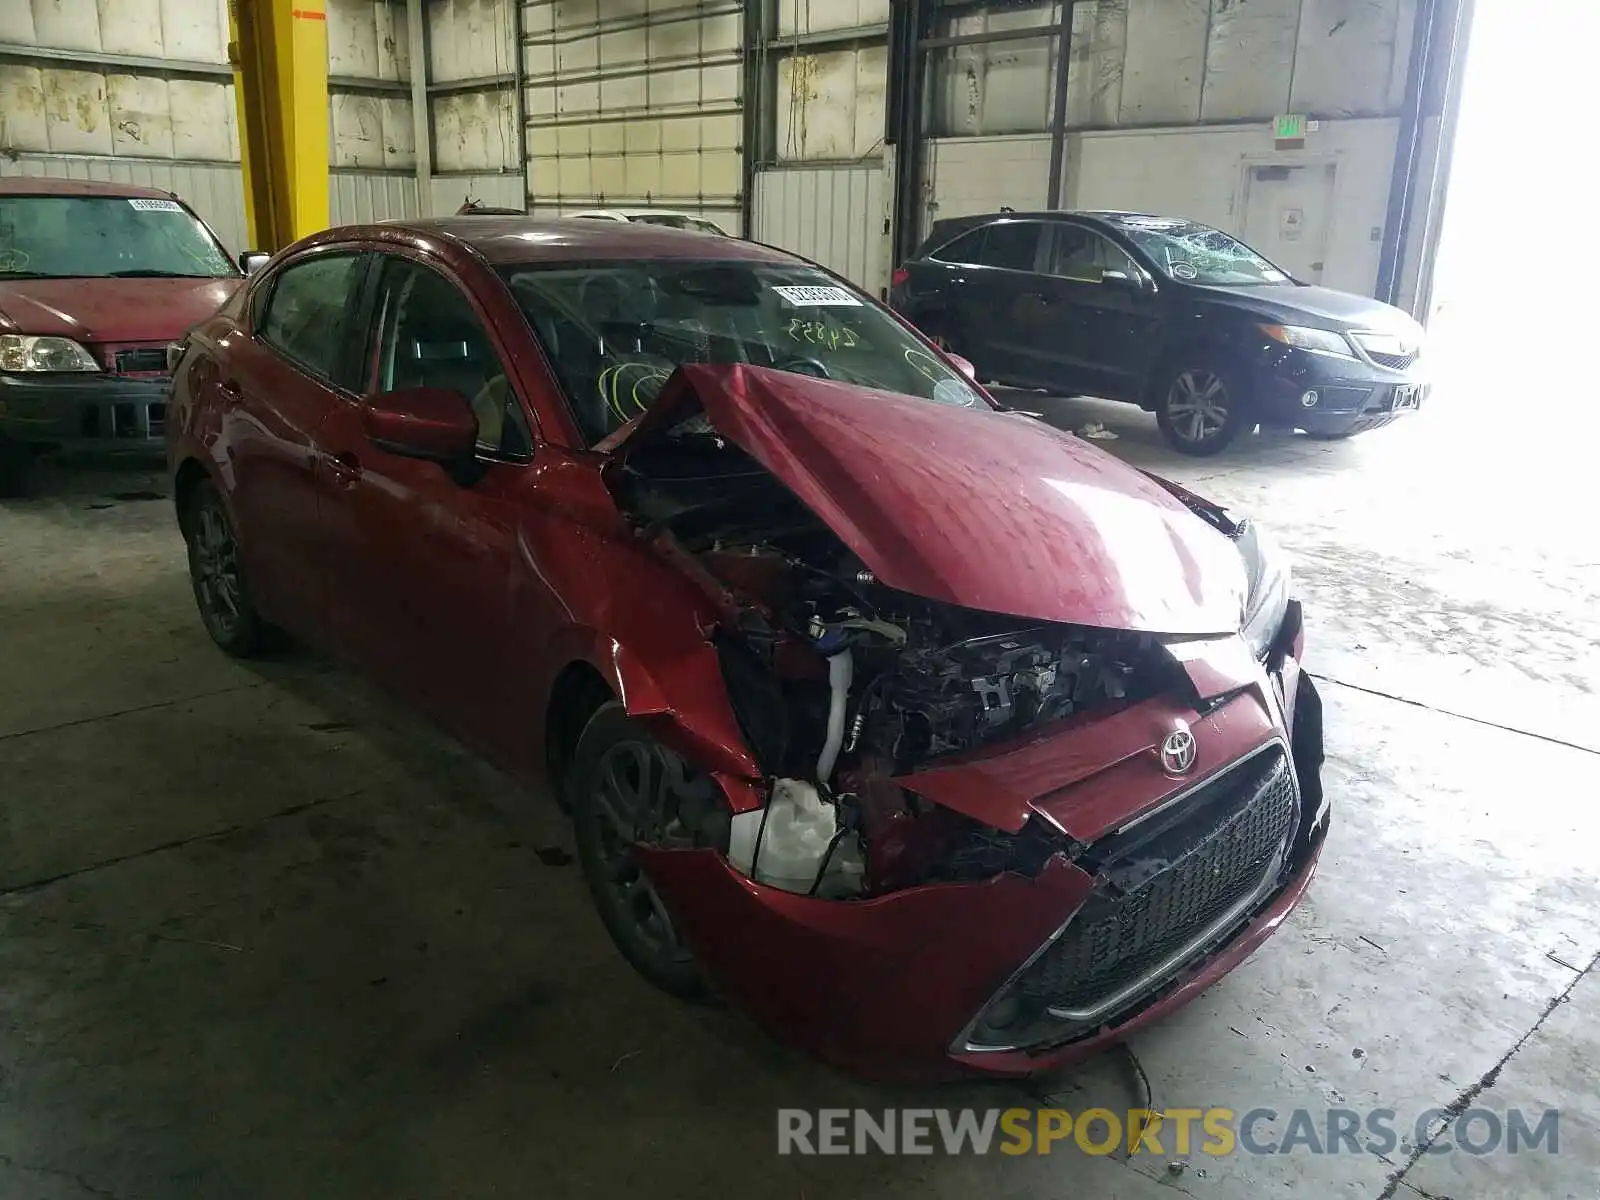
(841, 669)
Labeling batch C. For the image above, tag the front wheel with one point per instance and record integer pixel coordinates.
(626, 789)
(218, 579)
(1201, 408)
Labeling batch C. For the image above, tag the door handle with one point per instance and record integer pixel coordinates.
(229, 393)
(345, 469)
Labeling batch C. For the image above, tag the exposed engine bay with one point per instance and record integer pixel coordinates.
(840, 684)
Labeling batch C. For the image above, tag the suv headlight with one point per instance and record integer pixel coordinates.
(20, 352)
(1318, 341)
(1267, 572)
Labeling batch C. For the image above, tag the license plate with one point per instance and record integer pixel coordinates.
(1407, 397)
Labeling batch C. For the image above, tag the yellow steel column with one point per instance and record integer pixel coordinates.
(279, 52)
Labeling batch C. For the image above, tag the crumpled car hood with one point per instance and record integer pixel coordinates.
(987, 510)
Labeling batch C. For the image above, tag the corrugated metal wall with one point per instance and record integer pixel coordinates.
(473, 130)
(1175, 62)
(362, 197)
(498, 190)
(214, 190)
(66, 108)
(831, 215)
(636, 105)
(143, 124)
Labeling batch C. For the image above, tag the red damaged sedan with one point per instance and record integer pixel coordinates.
(936, 738)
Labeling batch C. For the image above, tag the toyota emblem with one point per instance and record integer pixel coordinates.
(1177, 752)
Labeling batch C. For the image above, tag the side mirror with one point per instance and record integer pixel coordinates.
(423, 422)
(965, 367)
(1133, 283)
(252, 261)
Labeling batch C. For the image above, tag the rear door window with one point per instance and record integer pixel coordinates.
(968, 248)
(1013, 245)
(308, 316)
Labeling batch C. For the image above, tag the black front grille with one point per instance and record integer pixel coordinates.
(1395, 362)
(132, 361)
(1175, 884)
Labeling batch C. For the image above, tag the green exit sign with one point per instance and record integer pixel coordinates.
(1289, 128)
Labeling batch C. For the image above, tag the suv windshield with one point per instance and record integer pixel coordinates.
(615, 331)
(1198, 253)
(101, 236)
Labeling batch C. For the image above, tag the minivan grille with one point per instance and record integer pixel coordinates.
(153, 359)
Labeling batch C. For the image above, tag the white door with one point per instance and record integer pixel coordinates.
(1286, 214)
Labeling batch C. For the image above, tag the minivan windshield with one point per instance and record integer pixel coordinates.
(48, 237)
(1196, 253)
(676, 221)
(614, 331)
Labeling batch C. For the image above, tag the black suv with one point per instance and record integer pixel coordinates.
(1177, 317)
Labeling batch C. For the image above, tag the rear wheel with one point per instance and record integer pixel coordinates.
(215, 572)
(626, 789)
(1201, 407)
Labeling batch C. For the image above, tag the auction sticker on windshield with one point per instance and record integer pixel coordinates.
(817, 297)
(144, 204)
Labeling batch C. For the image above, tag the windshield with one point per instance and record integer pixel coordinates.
(615, 331)
(1200, 254)
(43, 237)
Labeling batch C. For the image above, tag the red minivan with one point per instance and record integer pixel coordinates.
(96, 279)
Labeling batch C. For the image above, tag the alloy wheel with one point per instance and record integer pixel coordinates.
(216, 571)
(634, 802)
(1198, 405)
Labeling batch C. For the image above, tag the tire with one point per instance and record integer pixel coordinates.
(217, 577)
(1201, 406)
(614, 749)
(19, 468)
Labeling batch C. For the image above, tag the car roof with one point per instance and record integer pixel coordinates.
(34, 185)
(505, 241)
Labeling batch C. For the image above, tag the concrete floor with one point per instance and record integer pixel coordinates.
(264, 934)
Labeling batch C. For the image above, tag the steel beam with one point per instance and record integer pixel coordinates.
(421, 118)
(1408, 146)
(78, 59)
(279, 53)
(909, 23)
(981, 39)
(1058, 122)
(478, 83)
(822, 39)
(361, 83)
(519, 99)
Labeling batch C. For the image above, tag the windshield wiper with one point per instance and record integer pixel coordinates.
(148, 274)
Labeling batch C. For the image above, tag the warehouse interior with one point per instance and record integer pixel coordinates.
(266, 931)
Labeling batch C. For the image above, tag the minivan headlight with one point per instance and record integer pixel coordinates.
(1267, 573)
(20, 352)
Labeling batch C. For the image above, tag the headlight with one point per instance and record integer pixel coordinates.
(1267, 572)
(1318, 341)
(19, 352)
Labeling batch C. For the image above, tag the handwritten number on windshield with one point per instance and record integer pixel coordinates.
(820, 333)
